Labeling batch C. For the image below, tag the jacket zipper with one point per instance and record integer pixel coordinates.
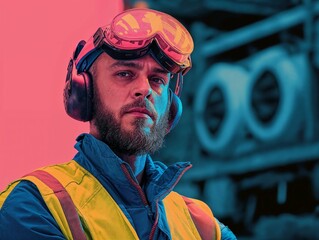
(137, 186)
(169, 190)
(143, 197)
(155, 223)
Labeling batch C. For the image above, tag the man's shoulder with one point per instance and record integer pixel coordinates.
(21, 192)
(23, 212)
(202, 216)
(25, 189)
(193, 204)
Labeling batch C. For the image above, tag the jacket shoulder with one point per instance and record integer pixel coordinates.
(24, 214)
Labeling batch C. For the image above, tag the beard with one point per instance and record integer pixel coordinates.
(136, 141)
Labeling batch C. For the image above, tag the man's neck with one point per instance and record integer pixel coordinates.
(137, 164)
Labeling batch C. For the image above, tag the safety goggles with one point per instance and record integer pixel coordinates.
(137, 32)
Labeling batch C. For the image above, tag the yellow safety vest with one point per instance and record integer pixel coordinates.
(102, 218)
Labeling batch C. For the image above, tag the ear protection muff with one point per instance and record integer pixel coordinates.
(78, 94)
(175, 110)
(78, 90)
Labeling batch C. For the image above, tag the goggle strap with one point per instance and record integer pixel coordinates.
(179, 84)
(98, 38)
(85, 62)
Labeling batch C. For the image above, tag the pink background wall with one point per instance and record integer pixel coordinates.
(37, 39)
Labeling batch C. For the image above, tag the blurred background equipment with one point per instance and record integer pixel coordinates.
(276, 101)
(218, 108)
(251, 115)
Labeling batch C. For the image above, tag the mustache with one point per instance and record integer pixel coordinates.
(140, 103)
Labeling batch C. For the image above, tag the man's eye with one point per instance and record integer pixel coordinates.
(158, 80)
(124, 74)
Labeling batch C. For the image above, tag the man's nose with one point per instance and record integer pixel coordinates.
(142, 88)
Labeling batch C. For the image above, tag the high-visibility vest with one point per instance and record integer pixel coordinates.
(79, 203)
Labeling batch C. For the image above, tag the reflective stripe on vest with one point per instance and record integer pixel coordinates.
(187, 218)
(65, 200)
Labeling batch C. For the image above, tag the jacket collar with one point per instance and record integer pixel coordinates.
(105, 165)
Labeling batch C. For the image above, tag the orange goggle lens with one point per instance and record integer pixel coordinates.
(137, 28)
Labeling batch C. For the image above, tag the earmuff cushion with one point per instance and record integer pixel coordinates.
(175, 111)
(78, 93)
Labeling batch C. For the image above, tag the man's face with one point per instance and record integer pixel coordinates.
(130, 104)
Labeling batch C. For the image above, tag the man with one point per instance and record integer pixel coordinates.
(119, 81)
